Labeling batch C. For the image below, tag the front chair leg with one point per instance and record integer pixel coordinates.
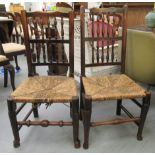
(75, 118)
(86, 115)
(144, 111)
(13, 121)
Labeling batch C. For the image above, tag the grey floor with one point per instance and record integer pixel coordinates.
(120, 138)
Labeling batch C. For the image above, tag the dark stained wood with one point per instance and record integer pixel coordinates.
(9, 68)
(107, 36)
(118, 109)
(144, 111)
(13, 120)
(41, 40)
(45, 123)
(48, 41)
(82, 16)
(86, 115)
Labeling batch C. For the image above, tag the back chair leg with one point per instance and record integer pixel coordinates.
(13, 121)
(71, 110)
(5, 77)
(81, 98)
(118, 109)
(16, 62)
(75, 118)
(86, 112)
(35, 110)
(144, 111)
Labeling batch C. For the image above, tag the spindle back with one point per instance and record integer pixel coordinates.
(103, 25)
(44, 45)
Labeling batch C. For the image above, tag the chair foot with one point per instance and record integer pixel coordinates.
(139, 137)
(17, 68)
(16, 144)
(85, 145)
(77, 144)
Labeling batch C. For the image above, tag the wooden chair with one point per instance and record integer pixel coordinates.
(12, 49)
(4, 61)
(45, 89)
(108, 87)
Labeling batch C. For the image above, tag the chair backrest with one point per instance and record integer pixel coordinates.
(63, 7)
(43, 41)
(102, 25)
(10, 16)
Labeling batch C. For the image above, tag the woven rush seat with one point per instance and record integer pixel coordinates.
(111, 87)
(46, 89)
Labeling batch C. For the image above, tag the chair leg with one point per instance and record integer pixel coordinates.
(11, 71)
(13, 121)
(22, 40)
(71, 110)
(75, 118)
(144, 111)
(35, 110)
(81, 99)
(13, 38)
(118, 109)
(5, 77)
(86, 112)
(16, 62)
